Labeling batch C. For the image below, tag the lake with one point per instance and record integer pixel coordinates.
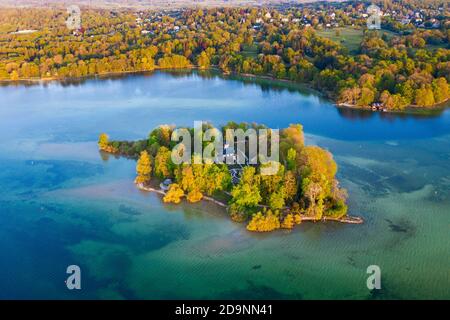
(62, 203)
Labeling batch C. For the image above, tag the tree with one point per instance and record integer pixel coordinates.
(367, 97)
(264, 222)
(143, 168)
(440, 90)
(148, 64)
(194, 196)
(406, 90)
(58, 59)
(292, 73)
(318, 164)
(187, 179)
(350, 95)
(315, 194)
(424, 97)
(216, 178)
(288, 222)
(367, 80)
(203, 60)
(290, 185)
(291, 159)
(161, 135)
(174, 194)
(277, 199)
(387, 100)
(246, 194)
(14, 75)
(173, 62)
(271, 183)
(318, 170)
(163, 163)
(292, 137)
(103, 141)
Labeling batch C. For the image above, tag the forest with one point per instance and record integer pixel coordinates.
(304, 187)
(402, 65)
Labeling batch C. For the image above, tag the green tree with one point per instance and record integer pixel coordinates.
(291, 159)
(290, 185)
(246, 194)
(277, 199)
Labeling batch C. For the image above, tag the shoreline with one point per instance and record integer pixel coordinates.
(141, 187)
(87, 77)
(347, 219)
(436, 106)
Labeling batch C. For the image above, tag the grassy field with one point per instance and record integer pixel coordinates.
(348, 37)
(250, 51)
(352, 37)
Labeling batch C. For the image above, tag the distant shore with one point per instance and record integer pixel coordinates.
(404, 110)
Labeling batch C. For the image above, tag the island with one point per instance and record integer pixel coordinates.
(304, 187)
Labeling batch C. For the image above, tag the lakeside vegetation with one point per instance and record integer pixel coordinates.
(405, 66)
(304, 187)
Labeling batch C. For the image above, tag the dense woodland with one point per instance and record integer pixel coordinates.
(304, 186)
(404, 65)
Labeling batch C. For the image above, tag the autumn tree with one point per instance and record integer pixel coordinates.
(264, 222)
(290, 185)
(441, 90)
(288, 222)
(424, 97)
(318, 170)
(174, 194)
(194, 196)
(203, 60)
(163, 163)
(143, 168)
(103, 141)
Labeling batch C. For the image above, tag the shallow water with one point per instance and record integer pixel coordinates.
(62, 204)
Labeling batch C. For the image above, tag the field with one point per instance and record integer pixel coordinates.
(349, 37)
(352, 37)
(250, 51)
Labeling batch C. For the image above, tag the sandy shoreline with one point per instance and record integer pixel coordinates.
(346, 219)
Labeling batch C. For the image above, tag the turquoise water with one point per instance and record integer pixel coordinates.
(62, 203)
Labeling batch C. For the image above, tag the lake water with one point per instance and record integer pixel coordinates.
(62, 203)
